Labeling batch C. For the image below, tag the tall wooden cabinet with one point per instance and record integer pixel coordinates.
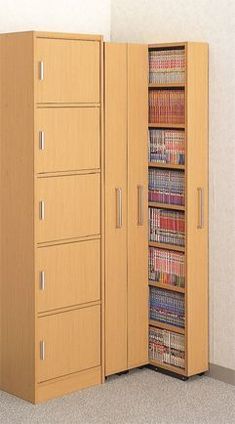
(80, 300)
(126, 320)
(52, 225)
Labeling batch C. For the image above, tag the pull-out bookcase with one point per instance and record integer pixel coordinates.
(178, 207)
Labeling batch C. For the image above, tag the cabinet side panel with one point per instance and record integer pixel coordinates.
(17, 233)
(137, 205)
(115, 204)
(197, 208)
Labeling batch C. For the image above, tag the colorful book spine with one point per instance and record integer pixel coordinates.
(166, 186)
(166, 146)
(166, 347)
(166, 226)
(167, 66)
(167, 307)
(166, 106)
(166, 267)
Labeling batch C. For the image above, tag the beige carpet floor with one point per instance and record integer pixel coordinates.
(140, 397)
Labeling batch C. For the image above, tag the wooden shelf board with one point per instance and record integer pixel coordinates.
(165, 165)
(167, 85)
(165, 125)
(165, 326)
(167, 286)
(166, 206)
(168, 367)
(166, 45)
(167, 246)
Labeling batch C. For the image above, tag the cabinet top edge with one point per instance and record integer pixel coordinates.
(58, 35)
(177, 44)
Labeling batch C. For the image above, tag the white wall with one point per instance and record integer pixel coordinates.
(79, 16)
(212, 21)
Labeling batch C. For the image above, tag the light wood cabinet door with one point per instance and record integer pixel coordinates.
(67, 207)
(67, 274)
(67, 71)
(197, 209)
(137, 205)
(115, 208)
(67, 139)
(68, 342)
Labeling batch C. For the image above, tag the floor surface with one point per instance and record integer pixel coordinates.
(142, 396)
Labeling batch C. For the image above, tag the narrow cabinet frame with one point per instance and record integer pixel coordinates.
(195, 169)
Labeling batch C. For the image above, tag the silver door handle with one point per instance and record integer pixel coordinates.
(41, 210)
(200, 194)
(42, 350)
(41, 70)
(118, 207)
(42, 280)
(140, 190)
(41, 140)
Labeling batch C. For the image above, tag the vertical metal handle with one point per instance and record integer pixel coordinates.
(42, 350)
(118, 207)
(42, 280)
(200, 194)
(140, 190)
(41, 140)
(41, 70)
(41, 210)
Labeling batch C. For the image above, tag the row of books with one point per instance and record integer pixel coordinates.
(166, 106)
(167, 307)
(167, 66)
(166, 347)
(166, 186)
(166, 146)
(166, 226)
(166, 267)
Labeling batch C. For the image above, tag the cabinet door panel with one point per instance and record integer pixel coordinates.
(71, 139)
(197, 209)
(137, 206)
(68, 342)
(67, 274)
(115, 238)
(71, 71)
(71, 207)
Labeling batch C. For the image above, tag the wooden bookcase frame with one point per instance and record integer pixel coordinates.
(196, 239)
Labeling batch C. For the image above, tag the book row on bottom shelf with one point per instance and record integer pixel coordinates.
(166, 347)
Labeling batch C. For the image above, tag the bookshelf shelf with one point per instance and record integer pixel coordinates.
(165, 125)
(167, 246)
(165, 326)
(168, 367)
(166, 286)
(167, 206)
(165, 165)
(167, 85)
(172, 98)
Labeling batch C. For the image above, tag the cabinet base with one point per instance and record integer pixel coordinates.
(67, 384)
(167, 372)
